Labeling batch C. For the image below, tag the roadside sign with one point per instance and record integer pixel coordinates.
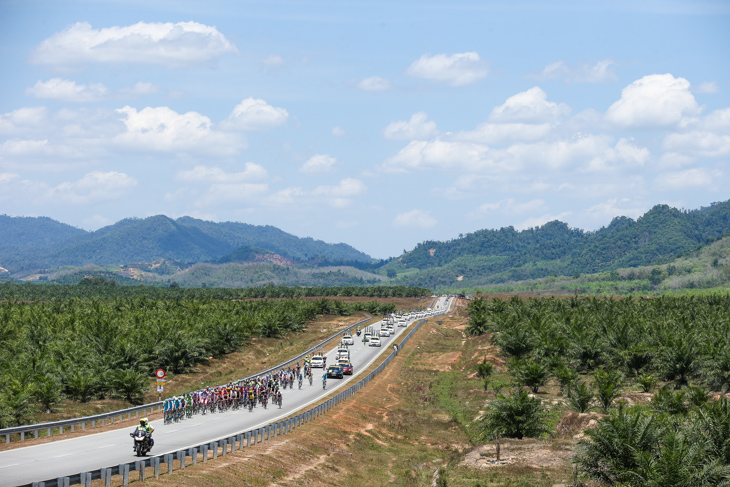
(160, 373)
(160, 382)
(160, 388)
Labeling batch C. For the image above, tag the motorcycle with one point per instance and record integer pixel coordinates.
(141, 442)
(358, 332)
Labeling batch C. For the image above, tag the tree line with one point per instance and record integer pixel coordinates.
(85, 348)
(96, 288)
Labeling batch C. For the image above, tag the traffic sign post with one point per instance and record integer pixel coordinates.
(160, 385)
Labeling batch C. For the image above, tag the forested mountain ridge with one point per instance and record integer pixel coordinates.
(507, 254)
(145, 240)
(18, 232)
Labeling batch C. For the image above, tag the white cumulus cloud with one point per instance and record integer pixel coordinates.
(161, 129)
(93, 187)
(439, 154)
(67, 90)
(695, 178)
(374, 83)
(418, 127)
(529, 106)
(255, 114)
(505, 133)
(340, 195)
(22, 120)
(654, 101)
(600, 72)
(336, 196)
(415, 219)
(511, 206)
(318, 164)
(208, 174)
(179, 44)
(457, 70)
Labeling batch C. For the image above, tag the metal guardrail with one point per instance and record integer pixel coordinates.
(58, 426)
(220, 447)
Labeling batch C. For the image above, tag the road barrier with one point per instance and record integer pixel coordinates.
(71, 425)
(212, 449)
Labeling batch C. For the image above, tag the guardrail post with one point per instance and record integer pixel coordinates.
(214, 447)
(181, 459)
(93, 424)
(204, 450)
(124, 472)
(48, 432)
(240, 441)
(139, 466)
(38, 484)
(7, 438)
(62, 481)
(156, 465)
(85, 479)
(106, 476)
(232, 441)
(248, 438)
(224, 447)
(168, 461)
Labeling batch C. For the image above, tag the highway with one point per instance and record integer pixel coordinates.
(90, 452)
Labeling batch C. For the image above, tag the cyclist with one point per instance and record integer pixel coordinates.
(278, 398)
(324, 380)
(300, 380)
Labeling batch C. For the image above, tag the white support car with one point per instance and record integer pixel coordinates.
(375, 342)
(317, 362)
(384, 332)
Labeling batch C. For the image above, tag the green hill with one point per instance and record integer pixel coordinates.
(132, 240)
(497, 256)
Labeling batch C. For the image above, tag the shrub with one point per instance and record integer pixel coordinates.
(530, 373)
(516, 416)
(580, 397)
(607, 384)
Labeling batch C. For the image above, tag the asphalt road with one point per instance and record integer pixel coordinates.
(90, 452)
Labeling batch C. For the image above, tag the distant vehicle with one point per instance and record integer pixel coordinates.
(348, 339)
(346, 367)
(317, 362)
(384, 332)
(391, 330)
(375, 342)
(335, 372)
(402, 323)
(343, 353)
(366, 338)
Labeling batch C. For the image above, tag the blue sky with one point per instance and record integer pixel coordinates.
(377, 124)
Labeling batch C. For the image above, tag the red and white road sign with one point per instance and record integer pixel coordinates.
(160, 373)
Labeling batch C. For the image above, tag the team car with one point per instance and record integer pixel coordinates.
(335, 372)
(346, 367)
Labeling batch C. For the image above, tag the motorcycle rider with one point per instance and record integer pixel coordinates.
(144, 425)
